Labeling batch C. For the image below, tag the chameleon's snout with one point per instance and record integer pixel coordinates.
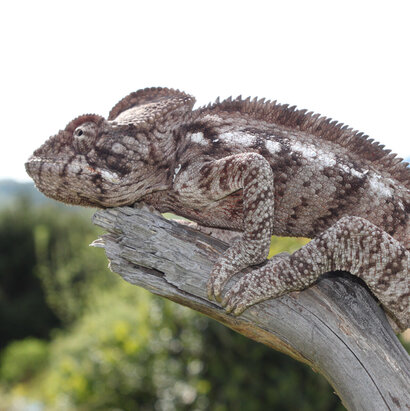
(32, 166)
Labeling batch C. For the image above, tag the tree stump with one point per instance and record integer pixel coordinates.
(334, 326)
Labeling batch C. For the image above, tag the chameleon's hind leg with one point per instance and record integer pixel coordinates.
(352, 244)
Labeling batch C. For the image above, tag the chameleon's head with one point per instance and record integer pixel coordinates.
(93, 162)
(113, 162)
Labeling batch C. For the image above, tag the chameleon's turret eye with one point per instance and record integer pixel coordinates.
(88, 129)
(84, 136)
(78, 132)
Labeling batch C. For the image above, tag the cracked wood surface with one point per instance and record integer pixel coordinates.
(335, 326)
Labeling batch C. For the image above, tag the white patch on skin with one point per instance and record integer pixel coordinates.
(110, 176)
(377, 185)
(352, 171)
(75, 167)
(304, 149)
(312, 153)
(327, 159)
(176, 171)
(238, 139)
(199, 138)
(273, 146)
(358, 173)
(213, 117)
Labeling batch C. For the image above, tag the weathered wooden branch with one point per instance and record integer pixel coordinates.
(335, 326)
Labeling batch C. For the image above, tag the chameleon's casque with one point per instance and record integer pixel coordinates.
(257, 167)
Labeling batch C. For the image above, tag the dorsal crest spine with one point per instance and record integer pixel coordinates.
(313, 124)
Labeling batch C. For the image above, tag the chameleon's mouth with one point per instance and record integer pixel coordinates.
(51, 177)
(34, 165)
(74, 182)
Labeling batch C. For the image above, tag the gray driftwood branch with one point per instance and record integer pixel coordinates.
(335, 326)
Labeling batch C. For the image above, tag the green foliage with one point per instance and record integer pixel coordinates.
(119, 347)
(23, 309)
(132, 350)
(68, 268)
(285, 244)
(47, 270)
(245, 375)
(21, 360)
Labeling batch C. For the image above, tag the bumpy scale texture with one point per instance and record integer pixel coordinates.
(255, 167)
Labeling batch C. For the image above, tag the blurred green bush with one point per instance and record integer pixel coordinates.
(132, 350)
(21, 360)
(47, 270)
(23, 307)
(113, 346)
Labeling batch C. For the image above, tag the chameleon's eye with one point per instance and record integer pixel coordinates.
(78, 132)
(84, 136)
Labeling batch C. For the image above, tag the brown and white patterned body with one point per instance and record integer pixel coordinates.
(259, 168)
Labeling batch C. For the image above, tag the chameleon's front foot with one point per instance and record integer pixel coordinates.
(241, 255)
(261, 284)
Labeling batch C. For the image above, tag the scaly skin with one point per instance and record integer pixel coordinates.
(249, 166)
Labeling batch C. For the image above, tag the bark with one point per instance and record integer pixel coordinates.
(335, 326)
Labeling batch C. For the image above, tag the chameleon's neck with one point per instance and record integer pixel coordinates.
(162, 150)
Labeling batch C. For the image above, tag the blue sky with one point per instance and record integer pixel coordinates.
(347, 60)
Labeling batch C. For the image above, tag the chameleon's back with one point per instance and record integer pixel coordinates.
(317, 180)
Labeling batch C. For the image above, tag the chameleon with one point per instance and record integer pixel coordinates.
(253, 167)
